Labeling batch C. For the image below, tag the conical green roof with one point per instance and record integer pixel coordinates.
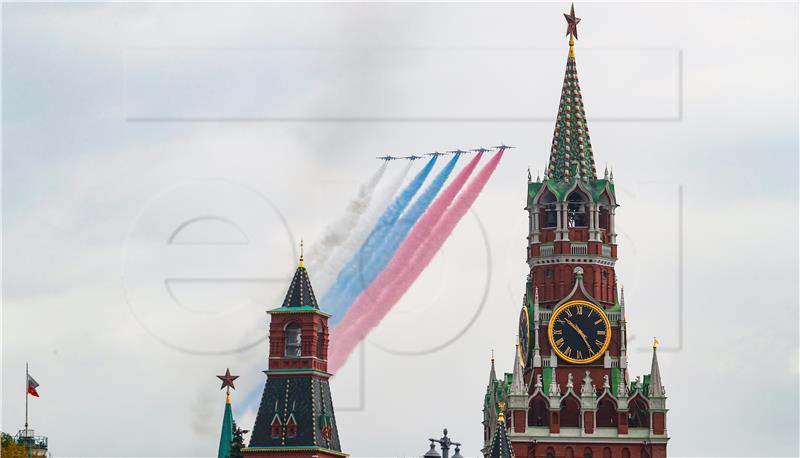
(500, 446)
(300, 293)
(571, 152)
(226, 435)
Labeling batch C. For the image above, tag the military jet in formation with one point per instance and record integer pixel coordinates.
(414, 157)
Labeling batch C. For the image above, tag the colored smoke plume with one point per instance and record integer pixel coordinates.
(325, 270)
(369, 268)
(411, 260)
(374, 240)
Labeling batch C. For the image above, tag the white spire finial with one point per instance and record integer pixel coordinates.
(517, 379)
(656, 388)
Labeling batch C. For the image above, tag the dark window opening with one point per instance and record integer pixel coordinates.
(570, 413)
(293, 340)
(606, 413)
(538, 415)
(638, 416)
(576, 210)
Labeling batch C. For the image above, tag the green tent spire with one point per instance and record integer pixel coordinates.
(571, 153)
(226, 435)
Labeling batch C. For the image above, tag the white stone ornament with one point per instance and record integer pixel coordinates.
(587, 389)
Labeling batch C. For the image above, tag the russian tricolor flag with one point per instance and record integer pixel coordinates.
(32, 386)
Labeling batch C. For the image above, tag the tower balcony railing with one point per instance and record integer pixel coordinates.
(575, 248)
(27, 439)
(547, 363)
(579, 248)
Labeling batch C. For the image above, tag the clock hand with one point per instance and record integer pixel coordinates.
(583, 336)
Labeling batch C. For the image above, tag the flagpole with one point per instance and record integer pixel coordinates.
(26, 397)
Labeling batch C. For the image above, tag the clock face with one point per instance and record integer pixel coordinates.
(579, 332)
(524, 335)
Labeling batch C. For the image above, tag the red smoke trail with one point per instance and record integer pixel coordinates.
(414, 239)
(392, 284)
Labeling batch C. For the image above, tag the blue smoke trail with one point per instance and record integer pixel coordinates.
(387, 219)
(371, 264)
(373, 242)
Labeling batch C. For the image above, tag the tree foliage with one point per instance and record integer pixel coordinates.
(10, 448)
(237, 443)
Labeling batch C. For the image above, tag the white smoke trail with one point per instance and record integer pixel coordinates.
(323, 274)
(337, 232)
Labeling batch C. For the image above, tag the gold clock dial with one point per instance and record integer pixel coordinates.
(579, 332)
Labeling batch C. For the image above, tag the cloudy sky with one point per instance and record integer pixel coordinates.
(123, 123)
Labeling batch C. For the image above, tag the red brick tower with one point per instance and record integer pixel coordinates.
(569, 394)
(296, 417)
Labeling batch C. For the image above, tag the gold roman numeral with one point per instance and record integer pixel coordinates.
(580, 310)
(558, 332)
(568, 312)
(568, 351)
(579, 355)
(598, 343)
(560, 342)
(601, 332)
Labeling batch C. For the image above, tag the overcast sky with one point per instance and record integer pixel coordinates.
(123, 123)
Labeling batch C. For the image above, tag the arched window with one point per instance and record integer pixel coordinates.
(293, 340)
(570, 413)
(638, 416)
(576, 210)
(626, 453)
(320, 342)
(605, 204)
(606, 413)
(569, 453)
(547, 216)
(587, 453)
(606, 452)
(538, 415)
(550, 453)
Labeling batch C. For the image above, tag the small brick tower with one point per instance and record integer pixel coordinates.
(295, 418)
(569, 394)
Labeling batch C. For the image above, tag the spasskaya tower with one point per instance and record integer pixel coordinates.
(570, 394)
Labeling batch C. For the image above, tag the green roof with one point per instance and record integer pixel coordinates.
(571, 152)
(299, 308)
(226, 435)
(561, 188)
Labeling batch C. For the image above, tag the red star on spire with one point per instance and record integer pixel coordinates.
(572, 22)
(227, 379)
